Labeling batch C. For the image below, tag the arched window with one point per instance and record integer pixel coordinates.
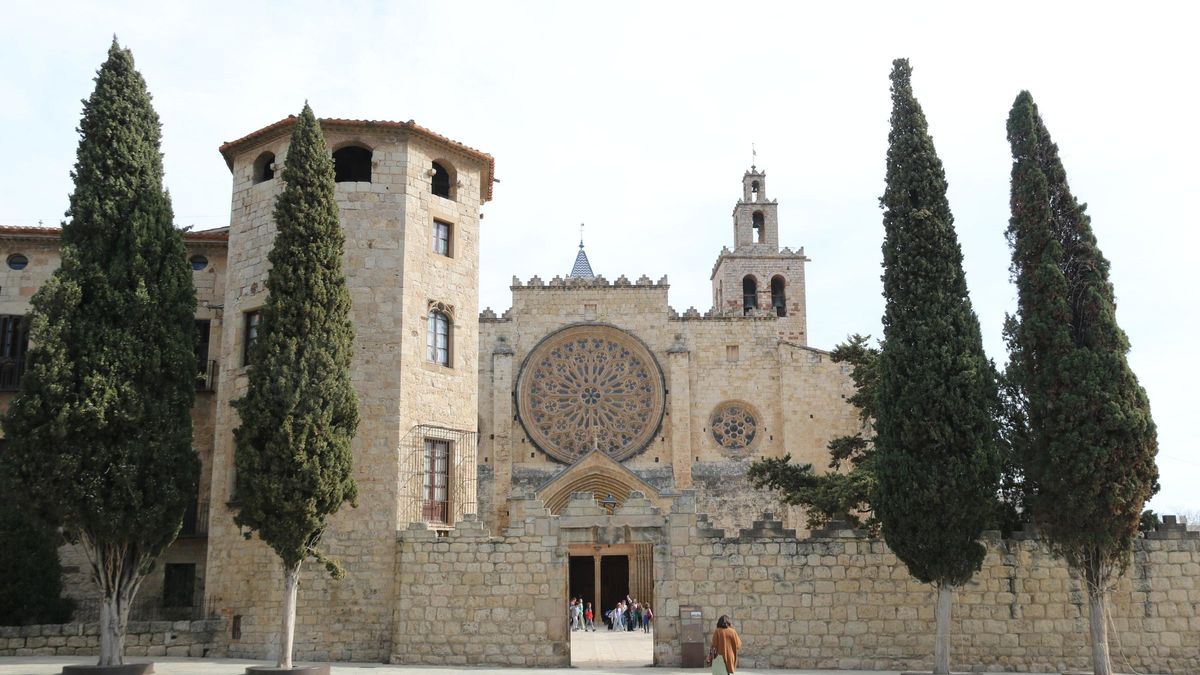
(759, 227)
(778, 301)
(439, 337)
(440, 183)
(264, 167)
(749, 294)
(754, 190)
(352, 163)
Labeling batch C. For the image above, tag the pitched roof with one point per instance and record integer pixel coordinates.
(220, 234)
(582, 269)
(229, 148)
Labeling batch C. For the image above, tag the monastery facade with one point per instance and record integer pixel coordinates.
(589, 441)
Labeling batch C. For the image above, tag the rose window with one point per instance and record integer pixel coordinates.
(734, 425)
(589, 387)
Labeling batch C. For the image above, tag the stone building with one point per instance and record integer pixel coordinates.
(588, 441)
(598, 386)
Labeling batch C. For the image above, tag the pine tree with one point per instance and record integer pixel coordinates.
(101, 429)
(300, 411)
(936, 437)
(1089, 445)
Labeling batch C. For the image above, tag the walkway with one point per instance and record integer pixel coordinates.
(607, 649)
(51, 665)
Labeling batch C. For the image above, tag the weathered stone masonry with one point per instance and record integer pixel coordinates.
(833, 600)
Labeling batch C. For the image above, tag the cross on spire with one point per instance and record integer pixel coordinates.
(753, 156)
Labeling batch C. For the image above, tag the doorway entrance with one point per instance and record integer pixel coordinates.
(605, 575)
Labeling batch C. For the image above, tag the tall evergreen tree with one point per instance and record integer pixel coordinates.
(300, 411)
(32, 588)
(936, 455)
(101, 429)
(1089, 445)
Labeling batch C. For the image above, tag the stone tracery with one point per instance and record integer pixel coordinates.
(587, 387)
(734, 425)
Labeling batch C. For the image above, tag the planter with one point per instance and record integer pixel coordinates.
(126, 669)
(293, 670)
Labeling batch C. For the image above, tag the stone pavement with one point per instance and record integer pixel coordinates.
(51, 665)
(602, 652)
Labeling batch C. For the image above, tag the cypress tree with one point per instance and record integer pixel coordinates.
(300, 411)
(936, 445)
(101, 429)
(32, 588)
(1089, 445)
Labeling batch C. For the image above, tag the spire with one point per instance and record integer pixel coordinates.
(582, 269)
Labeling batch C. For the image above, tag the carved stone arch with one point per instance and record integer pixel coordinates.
(443, 307)
(602, 476)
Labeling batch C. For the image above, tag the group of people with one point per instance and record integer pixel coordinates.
(581, 617)
(629, 615)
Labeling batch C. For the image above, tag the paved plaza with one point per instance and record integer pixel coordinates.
(602, 652)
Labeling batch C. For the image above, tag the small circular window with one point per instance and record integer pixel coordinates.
(17, 261)
(735, 425)
(199, 262)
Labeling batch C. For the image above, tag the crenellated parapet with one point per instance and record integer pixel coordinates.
(598, 281)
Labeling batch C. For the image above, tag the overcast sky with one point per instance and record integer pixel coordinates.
(638, 118)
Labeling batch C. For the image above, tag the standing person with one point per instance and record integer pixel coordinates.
(726, 644)
(619, 616)
(579, 615)
(637, 616)
(571, 614)
(589, 620)
(647, 614)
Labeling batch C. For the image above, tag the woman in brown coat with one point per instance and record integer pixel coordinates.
(726, 643)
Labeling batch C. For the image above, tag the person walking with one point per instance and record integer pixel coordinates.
(725, 644)
(589, 620)
(647, 615)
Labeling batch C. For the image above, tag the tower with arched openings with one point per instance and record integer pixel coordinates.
(756, 277)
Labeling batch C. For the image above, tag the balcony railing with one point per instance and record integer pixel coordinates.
(11, 370)
(195, 520)
(207, 376)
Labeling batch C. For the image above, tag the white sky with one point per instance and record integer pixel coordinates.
(637, 119)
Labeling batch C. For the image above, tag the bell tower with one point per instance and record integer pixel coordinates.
(755, 218)
(757, 278)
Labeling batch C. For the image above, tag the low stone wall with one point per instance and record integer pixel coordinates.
(467, 598)
(144, 638)
(839, 600)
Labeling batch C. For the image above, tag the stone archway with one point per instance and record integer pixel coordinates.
(597, 474)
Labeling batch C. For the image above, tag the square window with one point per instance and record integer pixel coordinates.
(441, 237)
(731, 352)
(179, 584)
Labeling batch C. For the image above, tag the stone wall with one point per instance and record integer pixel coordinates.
(144, 638)
(838, 600)
(468, 598)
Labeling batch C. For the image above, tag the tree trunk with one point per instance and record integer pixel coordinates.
(117, 575)
(941, 645)
(291, 579)
(112, 631)
(1098, 618)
